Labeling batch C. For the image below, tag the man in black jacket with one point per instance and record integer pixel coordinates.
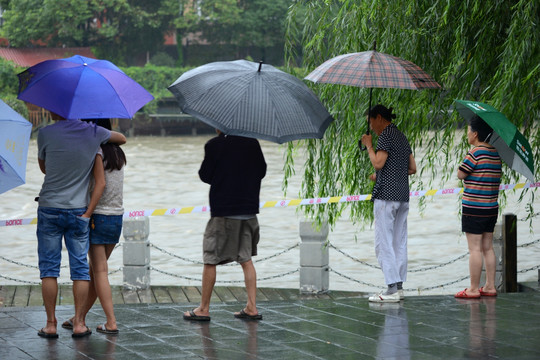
(234, 167)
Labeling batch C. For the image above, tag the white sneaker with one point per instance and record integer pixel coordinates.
(401, 294)
(381, 297)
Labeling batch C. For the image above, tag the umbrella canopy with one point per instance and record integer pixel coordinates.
(82, 88)
(512, 146)
(372, 69)
(250, 99)
(14, 137)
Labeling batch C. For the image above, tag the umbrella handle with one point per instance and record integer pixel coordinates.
(362, 147)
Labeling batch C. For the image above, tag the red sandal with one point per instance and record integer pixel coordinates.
(463, 295)
(483, 293)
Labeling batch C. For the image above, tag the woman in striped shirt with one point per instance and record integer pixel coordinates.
(481, 175)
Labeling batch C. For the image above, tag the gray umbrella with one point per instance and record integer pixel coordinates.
(251, 99)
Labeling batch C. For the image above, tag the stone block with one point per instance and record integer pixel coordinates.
(136, 229)
(314, 280)
(310, 233)
(137, 277)
(136, 253)
(313, 254)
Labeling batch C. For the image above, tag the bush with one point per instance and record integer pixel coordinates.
(162, 59)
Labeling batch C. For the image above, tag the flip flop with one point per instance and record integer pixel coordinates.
(483, 293)
(194, 317)
(83, 334)
(47, 335)
(103, 329)
(463, 295)
(243, 315)
(68, 324)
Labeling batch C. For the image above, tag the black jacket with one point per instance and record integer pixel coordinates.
(234, 167)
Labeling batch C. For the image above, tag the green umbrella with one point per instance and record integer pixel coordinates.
(512, 146)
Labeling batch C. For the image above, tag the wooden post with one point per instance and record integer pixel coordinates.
(509, 228)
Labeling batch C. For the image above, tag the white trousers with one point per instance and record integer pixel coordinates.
(391, 239)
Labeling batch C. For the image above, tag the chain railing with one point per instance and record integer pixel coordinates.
(222, 281)
(340, 251)
(198, 262)
(410, 270)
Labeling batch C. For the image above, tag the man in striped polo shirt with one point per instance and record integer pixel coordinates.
(481, 175)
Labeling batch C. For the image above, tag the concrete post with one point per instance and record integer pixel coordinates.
(314, 259)
(499, 266)
(136, 252)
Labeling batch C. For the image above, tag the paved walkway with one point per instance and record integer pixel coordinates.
(423, 327)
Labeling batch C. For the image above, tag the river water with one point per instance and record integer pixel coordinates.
(162, 173)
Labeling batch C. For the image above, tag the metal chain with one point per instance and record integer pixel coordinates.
(529, 269)
(351, 279)
(411, 270)
(438, 266)
(277, 254)
(26, 265)
(18, 280)
(443, 285)
(423, 289)
(529, 244)
(354, 259)
(61, 283)
(230, 264)
(223, 281)
(115, 271)
(176, 256)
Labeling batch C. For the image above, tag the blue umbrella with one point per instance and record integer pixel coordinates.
(82, 88)
(14, 137)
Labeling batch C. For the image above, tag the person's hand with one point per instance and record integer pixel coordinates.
(367, 141)
(373, 177)
(85, 215)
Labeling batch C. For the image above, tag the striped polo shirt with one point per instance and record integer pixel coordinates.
(483, 168)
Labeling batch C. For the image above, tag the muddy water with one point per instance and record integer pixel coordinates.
(162, 173)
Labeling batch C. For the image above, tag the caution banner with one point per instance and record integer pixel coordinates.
(280, 203)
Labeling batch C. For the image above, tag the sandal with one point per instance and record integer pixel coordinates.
(463, 295)
(483, 293)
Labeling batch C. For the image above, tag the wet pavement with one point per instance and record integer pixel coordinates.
(423, 327)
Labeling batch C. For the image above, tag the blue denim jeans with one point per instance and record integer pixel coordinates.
(55, 224)
(105, 229)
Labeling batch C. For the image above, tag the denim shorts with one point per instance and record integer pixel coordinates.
(55, 224)
(105, 229)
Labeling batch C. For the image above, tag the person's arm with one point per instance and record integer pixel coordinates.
(206, 171)
(378, 158)
(412, 165)
(99, 179)
(461, 174)
(117, 138)
(41, 165)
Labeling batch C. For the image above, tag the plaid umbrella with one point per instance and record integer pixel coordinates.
(512, 146)
(250, 99)
(372, 69)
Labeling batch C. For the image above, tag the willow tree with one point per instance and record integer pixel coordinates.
(477, 50)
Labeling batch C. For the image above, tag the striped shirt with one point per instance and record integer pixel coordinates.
(483, 168)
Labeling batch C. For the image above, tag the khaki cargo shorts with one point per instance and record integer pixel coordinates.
(227, 240)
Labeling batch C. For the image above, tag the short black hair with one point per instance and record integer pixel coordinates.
(478, 125)
(381, 110)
